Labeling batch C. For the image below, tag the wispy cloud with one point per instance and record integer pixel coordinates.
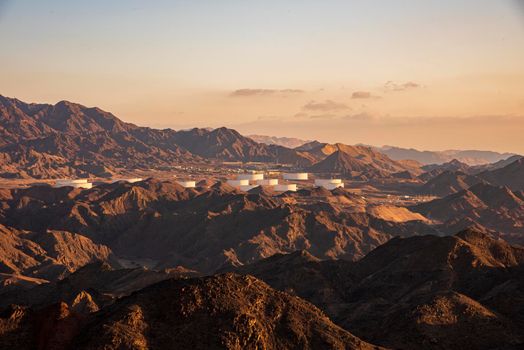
(325, 106)
(394, 86)
(364, 95)
(264, 92)
(269, 118)
(516, 120)
(358, 117)
(323, 116)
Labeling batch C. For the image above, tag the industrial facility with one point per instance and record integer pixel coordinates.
(248, 181)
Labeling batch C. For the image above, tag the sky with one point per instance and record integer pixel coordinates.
(432, 74)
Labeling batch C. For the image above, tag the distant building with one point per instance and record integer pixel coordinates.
(129, 180)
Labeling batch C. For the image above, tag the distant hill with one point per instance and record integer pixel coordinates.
(496, 165)
(355, 161)
(511, 175)
(448, 182)
(228, 144)
(487, 207)
(469, 157)
(68, 139)
(452, 165)
(289, 142)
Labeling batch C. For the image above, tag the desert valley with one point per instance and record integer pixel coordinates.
(163, 245)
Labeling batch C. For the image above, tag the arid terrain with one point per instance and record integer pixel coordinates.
(407, 255)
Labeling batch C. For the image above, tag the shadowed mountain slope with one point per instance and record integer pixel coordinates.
(488, 207)
(512, 175)
(429, 292)
(219, 312)
(448, 182)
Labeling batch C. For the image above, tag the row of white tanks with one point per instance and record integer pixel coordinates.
(246, 182)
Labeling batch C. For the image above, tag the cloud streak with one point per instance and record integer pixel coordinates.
(325, 106)
(363, 95)
(394, 86)
(358, 117)
(323, 116)
(265, 92)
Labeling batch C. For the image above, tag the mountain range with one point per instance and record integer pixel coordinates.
(469, 157)
(70, 140)
(289, 142)
(439, 181)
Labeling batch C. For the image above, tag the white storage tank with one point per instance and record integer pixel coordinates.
(76, 183)
(187, 184)
(322, 182)
(329, 183)
(238, 183)
(333, 186)
(250, 176)
(246, 188)
(295, 176)
(129, 180)
(285, 188)
(267, 182)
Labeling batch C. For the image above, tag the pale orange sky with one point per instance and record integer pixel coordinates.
(425, 74)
